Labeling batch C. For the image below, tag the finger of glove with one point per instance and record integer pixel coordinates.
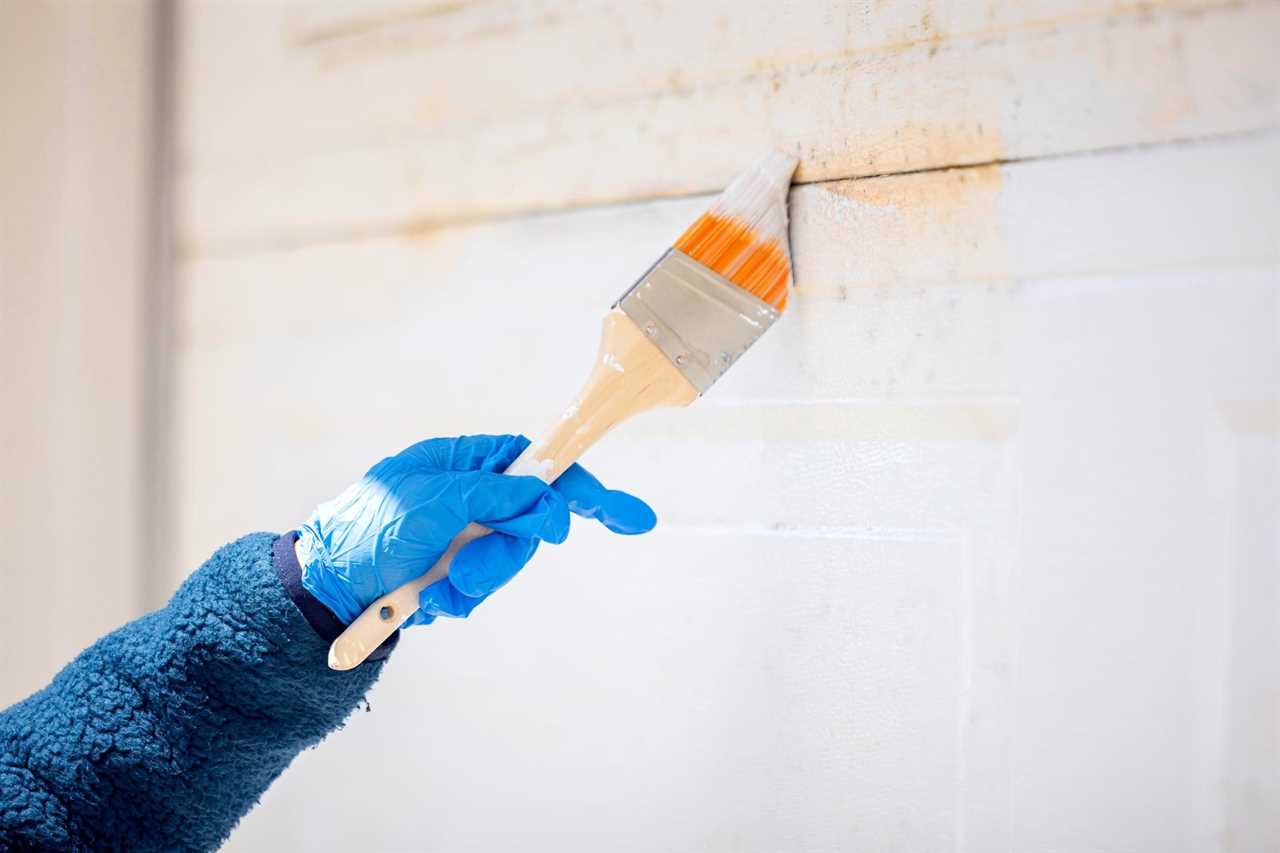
(418, 618)
(485, 564)
(521, 506)
(442, 598)
(620, 512)
(466, 452)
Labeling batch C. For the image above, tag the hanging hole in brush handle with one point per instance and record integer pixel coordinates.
(631, 375)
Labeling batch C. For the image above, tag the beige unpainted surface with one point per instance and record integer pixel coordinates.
(75, 96)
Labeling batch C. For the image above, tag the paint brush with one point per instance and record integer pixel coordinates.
(665, 342)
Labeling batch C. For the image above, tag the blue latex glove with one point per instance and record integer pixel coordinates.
(396, 522)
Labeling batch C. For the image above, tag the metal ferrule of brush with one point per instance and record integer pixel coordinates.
(700, 320)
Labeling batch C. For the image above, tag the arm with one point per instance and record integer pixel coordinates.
(164, 733)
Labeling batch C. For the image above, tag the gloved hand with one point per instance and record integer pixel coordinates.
(396, 522)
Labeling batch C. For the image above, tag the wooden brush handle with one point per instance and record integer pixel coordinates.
(631, 375)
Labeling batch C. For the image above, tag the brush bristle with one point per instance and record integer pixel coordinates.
(743, 236)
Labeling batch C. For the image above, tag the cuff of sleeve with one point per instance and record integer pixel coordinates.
(319, 617)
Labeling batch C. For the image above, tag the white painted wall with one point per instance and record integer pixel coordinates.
(976, 551)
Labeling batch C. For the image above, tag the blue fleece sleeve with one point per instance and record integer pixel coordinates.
(164, 733)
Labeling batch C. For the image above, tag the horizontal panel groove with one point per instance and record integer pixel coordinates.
(273, 242)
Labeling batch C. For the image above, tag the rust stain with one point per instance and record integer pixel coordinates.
(939, 226)
(315, 31)
(423, 232)
(1178, 102)
(419, 33)
(929, 33)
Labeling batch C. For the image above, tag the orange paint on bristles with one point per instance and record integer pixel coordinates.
(733, 250)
